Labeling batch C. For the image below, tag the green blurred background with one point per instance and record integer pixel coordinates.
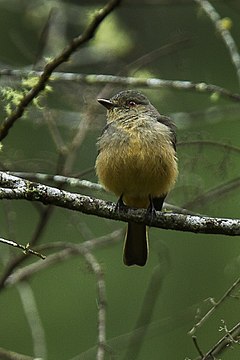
(182, 44)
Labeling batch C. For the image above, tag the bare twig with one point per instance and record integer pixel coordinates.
(97, 270)
(17, 188)
(88, 34)
(34, 320)
(215, 306)
(223, 31)
(27, 297)
(194, 338)
(60, 179)
(153, 83)
(68, 251)
(232, 336)
(26, 249)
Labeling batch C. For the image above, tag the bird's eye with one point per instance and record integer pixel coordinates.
(131, 103)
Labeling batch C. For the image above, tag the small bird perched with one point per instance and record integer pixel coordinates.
(137, 162)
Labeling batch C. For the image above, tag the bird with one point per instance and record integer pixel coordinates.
(137, 162)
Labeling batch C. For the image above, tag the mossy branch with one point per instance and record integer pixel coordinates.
(40, 85)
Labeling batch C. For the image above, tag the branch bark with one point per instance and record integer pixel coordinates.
(10, 355)
(20, 189)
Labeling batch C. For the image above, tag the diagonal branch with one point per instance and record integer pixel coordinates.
(64, 252)
(223, 31)
(215, 305)
(226, 342)
(231, 337)
(67, 251)
(53, 64)
(26, 249)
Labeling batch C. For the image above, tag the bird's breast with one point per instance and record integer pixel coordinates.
(137, 162)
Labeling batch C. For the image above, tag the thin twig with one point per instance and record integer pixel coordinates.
(232, 336)
(151, 83)
(26, 249)
(28, 301)
(59, 179)
(102, 302)
(68, 252)
(223, 31)
(215, 306)
(194, 338)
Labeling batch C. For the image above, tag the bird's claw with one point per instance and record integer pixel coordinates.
(120, 206)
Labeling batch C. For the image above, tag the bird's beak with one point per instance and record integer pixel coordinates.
(106, 103)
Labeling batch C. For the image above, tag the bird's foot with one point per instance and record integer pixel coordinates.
(120, 206)
(151, 211)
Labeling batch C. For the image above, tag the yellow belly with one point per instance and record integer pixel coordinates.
(137, 171)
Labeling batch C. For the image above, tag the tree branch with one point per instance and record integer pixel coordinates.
(223, 31)
(88, 34)
(102, 302)
(215, 306)
(20, 189)
(231, 337)
(152, 83)
(26, 249)
(69, 250)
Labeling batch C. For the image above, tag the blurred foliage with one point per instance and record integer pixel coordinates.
(191, 268)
